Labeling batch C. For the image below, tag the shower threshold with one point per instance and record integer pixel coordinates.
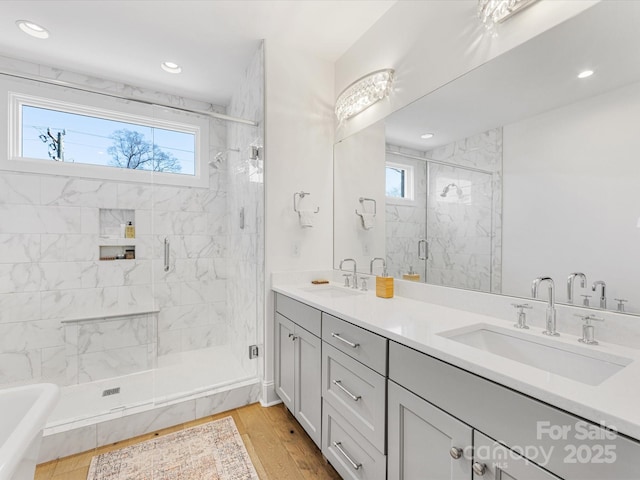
(184, 387)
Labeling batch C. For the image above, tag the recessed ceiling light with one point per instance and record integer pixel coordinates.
(426, 136)
(32, 29)
(171, 67)
(585, 74)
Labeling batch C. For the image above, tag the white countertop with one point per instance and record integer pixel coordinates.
(416, 324)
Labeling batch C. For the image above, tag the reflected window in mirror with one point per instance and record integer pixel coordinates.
(399, 182)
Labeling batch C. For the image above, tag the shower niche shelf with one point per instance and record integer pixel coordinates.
(118, 252)
(112, 220)
(113, 244)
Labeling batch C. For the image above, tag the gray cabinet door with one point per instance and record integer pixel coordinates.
(308, 382)
(284, 360)
(501, 463)
(422, 439)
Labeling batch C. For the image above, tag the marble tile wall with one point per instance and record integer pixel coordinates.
(245, 274)
(49, 267)
(459, 228)
(108, 347)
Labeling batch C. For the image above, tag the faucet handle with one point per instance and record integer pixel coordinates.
(347, 277)
(588, 318)
(521, 306)
(621, 302)
(585, 302)
(363, 284)
(588, 330)
(522, 317)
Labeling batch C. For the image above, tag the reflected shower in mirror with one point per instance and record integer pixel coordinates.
(531, 171)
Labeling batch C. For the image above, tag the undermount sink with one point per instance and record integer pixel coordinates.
(577, 363)
(24, 414)
(332, 291)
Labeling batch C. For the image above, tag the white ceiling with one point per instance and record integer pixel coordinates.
(213, 40)
(536, 77)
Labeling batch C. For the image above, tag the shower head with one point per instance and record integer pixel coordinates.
(220, 157)
(445, 190)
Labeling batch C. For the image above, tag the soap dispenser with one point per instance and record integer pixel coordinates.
(413, 276)
(130, 231)
(384, 286)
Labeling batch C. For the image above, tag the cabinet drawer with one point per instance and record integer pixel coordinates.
(350, 453)
(357, 392)
(307, 317)
(364, 346)
(517, 420)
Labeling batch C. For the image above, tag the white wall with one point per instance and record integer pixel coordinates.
(431, 43)
(298, 156)
(571, 197)
(359, 172)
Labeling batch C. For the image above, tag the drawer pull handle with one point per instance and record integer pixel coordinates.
(456, 453)
(338, 337)
(338, 445)
(338, 383)
(479, 468)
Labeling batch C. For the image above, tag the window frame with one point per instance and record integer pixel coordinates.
(409, 179)
(18, 94)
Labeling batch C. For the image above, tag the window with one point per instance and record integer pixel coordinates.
(103, 137)
(69, 137)
(399, 182)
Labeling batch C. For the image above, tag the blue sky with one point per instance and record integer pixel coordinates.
(87, 138)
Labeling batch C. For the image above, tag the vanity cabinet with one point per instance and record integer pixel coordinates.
(381, 410)
(566, 446)
(298, 361)
(354, 366)
(501, 463)
(425, 442)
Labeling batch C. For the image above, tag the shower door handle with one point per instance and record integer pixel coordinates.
(420, 250)
(167, 247)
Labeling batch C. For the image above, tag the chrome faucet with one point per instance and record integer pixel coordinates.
(570, 280)
(603, 292)
(355, 274)
(384, 266)
(551, 308)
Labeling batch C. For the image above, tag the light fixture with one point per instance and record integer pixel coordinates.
(363, 93)
(492, 12)
(585, 74)
(32, 29)
(171, 67)
(426, 136)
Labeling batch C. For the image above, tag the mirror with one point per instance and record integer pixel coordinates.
(531, 172)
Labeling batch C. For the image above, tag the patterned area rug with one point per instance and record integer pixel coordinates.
(211, 451)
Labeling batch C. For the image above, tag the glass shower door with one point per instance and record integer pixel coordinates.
(460, 226)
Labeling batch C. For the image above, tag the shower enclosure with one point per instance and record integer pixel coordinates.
(146, 331)
(449, 233)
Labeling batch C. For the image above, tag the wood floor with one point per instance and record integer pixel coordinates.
(279, 448)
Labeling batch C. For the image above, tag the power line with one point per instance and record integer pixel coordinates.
(164, 147)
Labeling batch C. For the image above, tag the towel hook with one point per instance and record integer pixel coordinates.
(364, 199)
(296, 202)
